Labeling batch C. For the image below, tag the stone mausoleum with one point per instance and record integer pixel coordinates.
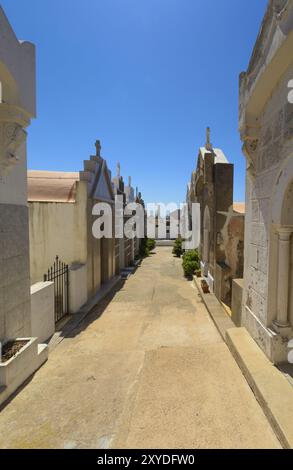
(222, 222)
(266, 128)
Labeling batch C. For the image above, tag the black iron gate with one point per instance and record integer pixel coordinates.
(58, 273)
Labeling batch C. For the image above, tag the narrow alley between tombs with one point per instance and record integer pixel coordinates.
(146, 368)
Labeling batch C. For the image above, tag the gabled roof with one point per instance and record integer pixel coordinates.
(219, 154)
(52, 186)
(98, 178)
(103, 189)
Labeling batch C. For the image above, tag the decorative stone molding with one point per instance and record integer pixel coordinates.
(250, 138)
(249, 149)
(12, 134)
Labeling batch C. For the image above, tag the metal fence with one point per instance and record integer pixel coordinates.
(58, 273)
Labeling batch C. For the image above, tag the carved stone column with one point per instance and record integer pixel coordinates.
(283, 277)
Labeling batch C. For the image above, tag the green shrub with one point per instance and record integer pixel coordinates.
(146, 246)
(190, 262)
(151, 244)
(177, 248)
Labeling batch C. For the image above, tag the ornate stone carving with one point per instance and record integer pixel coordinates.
(250, 139)
(12, 136)
(249, 149)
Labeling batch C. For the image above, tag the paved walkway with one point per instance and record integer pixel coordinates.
(148, 369)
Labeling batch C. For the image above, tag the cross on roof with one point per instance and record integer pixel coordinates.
(208, 139)
(98, 148)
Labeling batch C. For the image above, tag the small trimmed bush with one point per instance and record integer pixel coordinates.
(147, 245)
(151, 244)
(177, 248)
(191, 262)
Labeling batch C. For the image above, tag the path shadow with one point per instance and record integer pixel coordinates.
(96, 312)
(287, 369)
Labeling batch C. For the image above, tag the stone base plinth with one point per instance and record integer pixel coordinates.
(274, 345)
(237, 296)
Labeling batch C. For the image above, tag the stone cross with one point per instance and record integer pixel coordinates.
(208, 142)
(98, 148)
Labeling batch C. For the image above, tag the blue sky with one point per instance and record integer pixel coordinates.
(145, 77)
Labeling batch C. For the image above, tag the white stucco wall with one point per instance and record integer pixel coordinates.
(42, 310)
(77, 287)
(57, 229)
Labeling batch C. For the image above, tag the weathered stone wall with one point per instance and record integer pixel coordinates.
(231, 245)
(274, 147)
(223, 200)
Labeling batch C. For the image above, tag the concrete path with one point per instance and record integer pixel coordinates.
(146, 369)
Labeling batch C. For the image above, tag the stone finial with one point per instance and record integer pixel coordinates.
(118, 169)
(98, 148)
(208, 141)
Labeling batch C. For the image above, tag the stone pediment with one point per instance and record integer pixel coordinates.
(103, 188)
(98, 176)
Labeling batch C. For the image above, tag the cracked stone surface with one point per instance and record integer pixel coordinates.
(145, 369)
